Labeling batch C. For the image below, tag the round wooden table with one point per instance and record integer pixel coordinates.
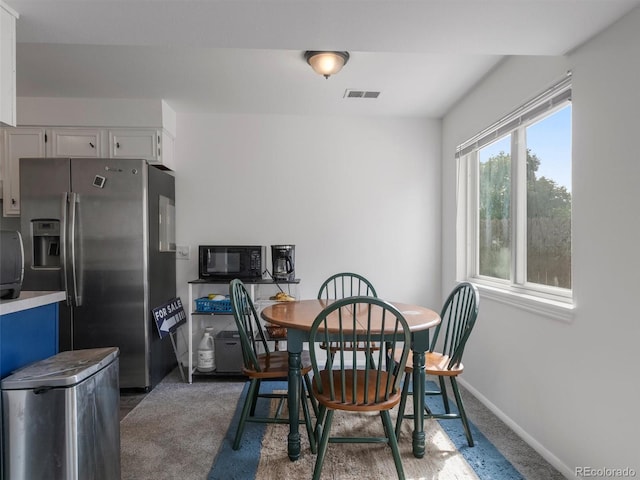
(297, 317)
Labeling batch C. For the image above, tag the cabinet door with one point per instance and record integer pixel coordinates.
(134, 143)
(28, 336)
(18, 143)
(7, 66)
(76, 142)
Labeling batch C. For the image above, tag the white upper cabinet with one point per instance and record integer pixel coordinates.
(17, 143)
(155, 146)
(7, 65)
(120, 128)
(76, 142)
(134, 143)
(81, 128)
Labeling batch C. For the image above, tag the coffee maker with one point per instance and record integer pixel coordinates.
(283, 258)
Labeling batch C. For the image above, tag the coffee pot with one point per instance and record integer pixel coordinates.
(283, 258)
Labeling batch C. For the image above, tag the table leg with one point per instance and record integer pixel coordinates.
(418, 404)
(294, 346)
(420, 345)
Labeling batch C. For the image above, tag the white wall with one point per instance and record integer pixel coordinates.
(358, 194)
(570, 389)
(96, 112)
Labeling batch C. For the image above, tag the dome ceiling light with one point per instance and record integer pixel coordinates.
(326, 63)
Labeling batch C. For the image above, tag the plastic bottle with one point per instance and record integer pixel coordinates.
(205, 353)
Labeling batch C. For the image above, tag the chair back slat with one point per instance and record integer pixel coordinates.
(252, 337)
(368, 367)
(367, 320)
(458, 315)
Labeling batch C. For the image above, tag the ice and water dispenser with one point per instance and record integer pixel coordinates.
(46, 243)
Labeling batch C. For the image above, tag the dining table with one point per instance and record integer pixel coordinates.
(298, 316)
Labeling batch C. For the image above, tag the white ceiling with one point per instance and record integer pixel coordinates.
(246, 56)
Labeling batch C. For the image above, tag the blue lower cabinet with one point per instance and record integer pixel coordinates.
(28, 336)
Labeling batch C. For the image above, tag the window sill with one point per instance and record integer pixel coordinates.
(553, 309)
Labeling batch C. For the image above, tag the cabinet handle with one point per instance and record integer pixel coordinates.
(13, 201)
(91, 145)
(117, 144)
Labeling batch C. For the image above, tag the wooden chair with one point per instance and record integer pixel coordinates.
(352, 388)
(342, 285)
(458, 315)
(260, 364)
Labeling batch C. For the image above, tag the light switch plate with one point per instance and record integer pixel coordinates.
(183, 252)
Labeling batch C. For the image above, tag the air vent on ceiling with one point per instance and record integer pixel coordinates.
(360, 94)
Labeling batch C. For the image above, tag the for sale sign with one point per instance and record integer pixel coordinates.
(169, 317)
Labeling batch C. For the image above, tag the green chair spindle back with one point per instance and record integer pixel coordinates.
(347, 322)
(252, 336)
(458, 316)
(260, 365)
(342, 285)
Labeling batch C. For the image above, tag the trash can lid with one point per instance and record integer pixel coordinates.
(62, 370)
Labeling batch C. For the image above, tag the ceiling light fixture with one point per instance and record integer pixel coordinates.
(326, 63)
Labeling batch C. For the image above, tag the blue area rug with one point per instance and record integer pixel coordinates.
(487, 462)
(242, 464)
(483, 457)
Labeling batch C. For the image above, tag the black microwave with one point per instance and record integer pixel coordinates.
(220, 262)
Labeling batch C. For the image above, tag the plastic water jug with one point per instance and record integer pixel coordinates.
(205, 353)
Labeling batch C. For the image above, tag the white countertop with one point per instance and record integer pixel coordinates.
(28, 300)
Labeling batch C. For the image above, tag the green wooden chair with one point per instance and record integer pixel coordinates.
(260, 364)
(349, 387)
(459, 315)
(342, 285)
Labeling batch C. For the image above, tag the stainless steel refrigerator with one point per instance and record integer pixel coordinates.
(103, 230)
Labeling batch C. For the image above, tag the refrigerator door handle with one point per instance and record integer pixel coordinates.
(64, 242)
(75, 198)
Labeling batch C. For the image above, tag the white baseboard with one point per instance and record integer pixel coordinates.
(528, 439)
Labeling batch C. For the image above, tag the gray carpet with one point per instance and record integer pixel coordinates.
(526, 460)
(176, 431)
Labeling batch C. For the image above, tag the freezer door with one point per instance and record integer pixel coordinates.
(43, 186)
(110, 261)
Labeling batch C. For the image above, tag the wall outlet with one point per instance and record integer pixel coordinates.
(183, 252)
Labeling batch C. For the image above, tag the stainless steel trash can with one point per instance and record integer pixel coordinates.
(61, 418)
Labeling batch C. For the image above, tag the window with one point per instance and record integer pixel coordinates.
(514, 197)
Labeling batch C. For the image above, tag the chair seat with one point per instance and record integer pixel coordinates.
(434, 364)
(437, 364)
(325, 397)
(276, 365)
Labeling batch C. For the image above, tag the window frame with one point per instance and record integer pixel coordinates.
(551, 301)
